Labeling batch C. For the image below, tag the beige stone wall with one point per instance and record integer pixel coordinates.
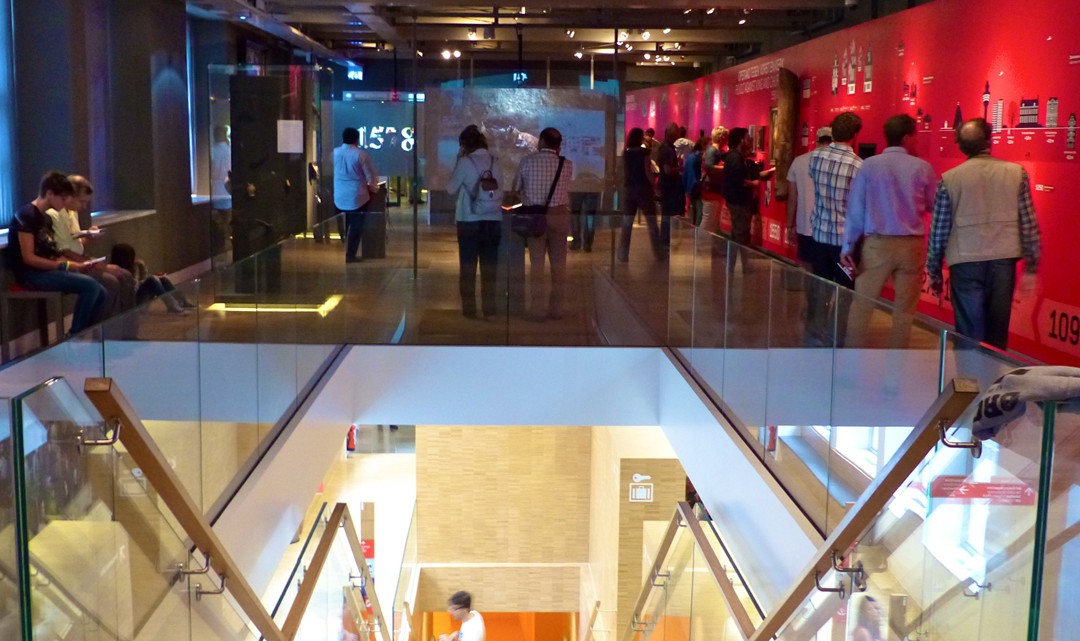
(535, 588)
(498, 494)
(669, 487)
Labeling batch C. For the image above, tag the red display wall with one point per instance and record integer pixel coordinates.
(1017, 63)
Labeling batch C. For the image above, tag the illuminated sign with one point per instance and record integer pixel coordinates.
(520, 77)
(355, 74)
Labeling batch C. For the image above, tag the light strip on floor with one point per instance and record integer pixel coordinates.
(307, 234)
(322, 309)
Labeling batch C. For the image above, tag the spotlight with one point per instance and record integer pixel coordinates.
(645, 35)
(420, 53)
(578, 54)
(648, 56)
(570, 33)
(710, 11)
(446, 54)
(742, 21)
(523, 11)
(472, 33)
(624, 35)
(687, 12)
(667, 31)
(629, 47)
(457, 54)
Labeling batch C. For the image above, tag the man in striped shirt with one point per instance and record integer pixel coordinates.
(832, 169)
(535, 178)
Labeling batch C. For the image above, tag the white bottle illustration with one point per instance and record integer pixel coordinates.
(835, 74)
(868, 72)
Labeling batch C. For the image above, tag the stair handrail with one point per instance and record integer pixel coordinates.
(113, 405)
(956, 396)
(340, 519)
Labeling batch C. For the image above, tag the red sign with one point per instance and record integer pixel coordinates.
(958, 488)
(941, 62)
(368, 546)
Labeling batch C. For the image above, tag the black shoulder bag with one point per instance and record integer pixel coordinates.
(530, 221)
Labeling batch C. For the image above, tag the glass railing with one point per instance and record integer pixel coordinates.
(694, 588)
(101, 555)
(955, 553)
(1059, 545)
(303, 561)
(405, 593)
(823, 403)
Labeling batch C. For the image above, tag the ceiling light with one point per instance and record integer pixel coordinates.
(667, 31)
(742, 21)
(710, 11)
(645, 35)
(629, 47)
(687, 12)
(472, 33)
(523, 11)
(648, 56)
(457, 54)
(570, 33)
(577, 54)
(420, 53)
(624, 36)
(446, 54)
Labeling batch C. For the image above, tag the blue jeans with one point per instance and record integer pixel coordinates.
(982, 294)
(354, 223)
(90, 303)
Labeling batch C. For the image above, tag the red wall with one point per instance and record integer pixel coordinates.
(928, 62)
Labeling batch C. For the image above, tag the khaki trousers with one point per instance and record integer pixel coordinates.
(552, 245)
(900, 258)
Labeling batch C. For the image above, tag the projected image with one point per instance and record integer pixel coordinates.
(512, 120)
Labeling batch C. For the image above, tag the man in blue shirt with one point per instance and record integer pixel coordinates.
(889, 199)
(356, 180)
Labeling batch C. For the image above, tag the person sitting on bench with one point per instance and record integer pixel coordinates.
(38, 263)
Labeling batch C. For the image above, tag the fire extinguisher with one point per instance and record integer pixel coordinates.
(350, 440)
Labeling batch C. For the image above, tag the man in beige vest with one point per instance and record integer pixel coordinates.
(983, 223)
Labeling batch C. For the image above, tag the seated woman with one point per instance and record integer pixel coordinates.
(39, 264)
(148, 287)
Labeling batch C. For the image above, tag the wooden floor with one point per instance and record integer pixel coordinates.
(689, 300)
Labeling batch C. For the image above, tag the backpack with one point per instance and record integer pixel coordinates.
(487, 196)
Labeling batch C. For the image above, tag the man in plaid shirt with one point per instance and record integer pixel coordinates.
(983, 223)
(535, 176)
(832, 169)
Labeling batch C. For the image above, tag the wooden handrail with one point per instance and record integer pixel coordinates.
(661, 555)
(358, 554)
(592, 621)
(112, 404)
(727, 589)
(409, 617)
(952, 402)
(311, 576)
(340, 519)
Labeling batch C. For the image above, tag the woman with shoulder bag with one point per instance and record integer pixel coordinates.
(477, 181)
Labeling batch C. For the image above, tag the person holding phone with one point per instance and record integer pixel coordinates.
(39, 264)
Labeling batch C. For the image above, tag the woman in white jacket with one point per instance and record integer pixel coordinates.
(477, 181)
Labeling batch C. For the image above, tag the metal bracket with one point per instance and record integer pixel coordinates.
(199, 592)
(354, 577)
(974, 594)
(656, 579)
(839, 589)
(857, 572)
(974, 445)
(182, 571)
(111, 425)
